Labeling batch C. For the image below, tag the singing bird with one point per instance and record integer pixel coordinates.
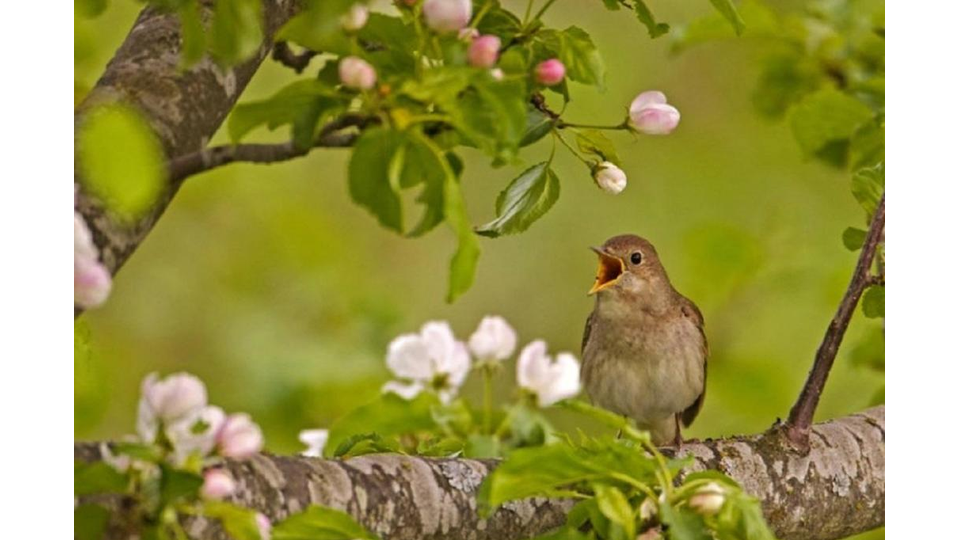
(644, 349)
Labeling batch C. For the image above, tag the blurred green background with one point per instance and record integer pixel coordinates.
(269, 284)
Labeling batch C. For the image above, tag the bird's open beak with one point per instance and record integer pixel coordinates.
(608, 272)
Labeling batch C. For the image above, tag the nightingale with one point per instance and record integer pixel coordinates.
(644, 350)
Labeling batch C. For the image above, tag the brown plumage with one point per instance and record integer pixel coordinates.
(644, 348)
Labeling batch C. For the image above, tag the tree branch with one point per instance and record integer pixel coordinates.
(296, 61)
(834, 490)
(801, 415)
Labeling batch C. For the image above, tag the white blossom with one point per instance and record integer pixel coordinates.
(650, 113)
(494, 339)
(217, 484)
(315, 440)
(195, 434)
(550, 381)
(609, 177)
(709, 499)
(239, 437)
(447, 15)
(432, 359)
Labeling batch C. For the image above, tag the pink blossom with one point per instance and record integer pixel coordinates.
(240, 437)
(550, 72)
(91, 280)
(484, 51)
(447, 15)
(217, 484)
(650, 114)
(263, 526)
(357, 73)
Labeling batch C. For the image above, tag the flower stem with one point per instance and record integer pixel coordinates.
(586, 162)
(526, 14)
(487, 399)
(544, 9)
(619, 127)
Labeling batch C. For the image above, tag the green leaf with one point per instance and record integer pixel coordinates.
(121, 160)
(500, 23)
(825, 117)
(867, 144)
(176, 484)
(614, 505)
(538, 126)
(566, 533)
(527, 426)
(759, 21)
(594, 142)
(421, 165)
(873, 302)
(867, 188)
(388, 415)
(365, 443)
(440, 447)
(579, 55)
(389, 45)
(785, 78)
(97, 477)
(90, 522)
(612, 5)
(320, 523)
(240, 523)
(235, 33)
(295, 102)
(683, 524)
(729, 12)
(318, 27)
(853, 238)
(527, 198)
(373, 176)
(90, 8)
(463, 264)
(141, 451)
(193, 37)
(491, 114)
(482, 446)
(646, 17)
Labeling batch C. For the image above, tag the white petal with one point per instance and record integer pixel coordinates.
(406, 391)
(186, 435)
(645, 99)
(315, 440)
(494, 339)
(564, 381)
(457, 365)
(408, 358)
(532, 365)
(439, 341)
(147, 422)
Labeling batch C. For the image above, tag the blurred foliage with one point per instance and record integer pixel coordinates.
(278, 291)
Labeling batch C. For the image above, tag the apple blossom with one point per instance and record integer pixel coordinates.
(550, 381)
(119, 462)
(263, 526)
(315, 440)
(195, 433)
(239, 437)
(609, 177)
(357, 73)
(432, 359)
(494, 339)
(650, 113)
(91, 280)
(550, 72)
(484, 51)
(172, 397)
(217, 484)
(354, 19)
(709, 499)
(447, 15)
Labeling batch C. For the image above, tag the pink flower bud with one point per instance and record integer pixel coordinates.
(91, 280)
(550, 72)
(174, 396)
(484, 51)
(354, 19)
(263, 526)
(609, 177)
(357, 73)
(650, 114)
(447, 15)
(217, 484)
(239, 437)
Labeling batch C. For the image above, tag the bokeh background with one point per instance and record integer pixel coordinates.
(269, 284)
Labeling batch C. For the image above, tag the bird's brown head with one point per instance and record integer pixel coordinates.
(627, 263)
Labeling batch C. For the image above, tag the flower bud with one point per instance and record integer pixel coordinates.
(217, 484)
(484, 51)
(173, 396)
(91, 280)
(239, 437)
(609, 177)
(494, 339)
(447, 15)
(354, 19)
(650, 114)
(357, 73)
(263, 526)
(709, 499)
(550, 72)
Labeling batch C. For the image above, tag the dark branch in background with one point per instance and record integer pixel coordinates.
(331, 136)
(296, 61)
(833, 491)
(801, 415)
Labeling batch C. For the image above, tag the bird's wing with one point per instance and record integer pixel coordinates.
(692, 312)
(586, 333)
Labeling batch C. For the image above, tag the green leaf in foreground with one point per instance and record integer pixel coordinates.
(121, 160)
(321, 523)
(873, 302)
(614, 505)
(240, 523)
(577, 52)
(97, 477)
(525, 200)
(296, 103)
(235, 33)
(853, 238)
(90, 522)
(388, 415)
(177, 484)
(827, 116)
(645, 16)
(729, 12)
(374, 182)
(867, 188)
(593, 141)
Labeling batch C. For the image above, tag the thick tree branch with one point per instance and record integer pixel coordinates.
(801, 415)
(834, 490)
(184, 107)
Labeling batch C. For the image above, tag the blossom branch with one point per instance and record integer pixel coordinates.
(797, 427)
(296, 61)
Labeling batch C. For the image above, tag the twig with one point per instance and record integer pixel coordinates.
(331, 136)
(296, 61)
(797, 427)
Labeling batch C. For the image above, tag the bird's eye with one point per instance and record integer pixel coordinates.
(635, 258)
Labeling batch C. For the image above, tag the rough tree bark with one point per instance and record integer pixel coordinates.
(833, 491)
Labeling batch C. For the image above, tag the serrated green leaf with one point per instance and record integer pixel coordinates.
(90, 522)
(491, 114)
(422, 166)
(613, 504)
(538, 126)
(825, 117)
(867, 145)
(867, 188)
(389, 45)
(527, 198)
(235, 33)
(121, 160)
(873, 302)
(579, 55)
(97, 477)
(594, 142)
(729, 12)
(320, 523)
(373, 176)
(302, 101)
(463, 264)
(853, 238)
(500, 23)
(240, 523)
(176, 484)
(645, 16)
(388, 415)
